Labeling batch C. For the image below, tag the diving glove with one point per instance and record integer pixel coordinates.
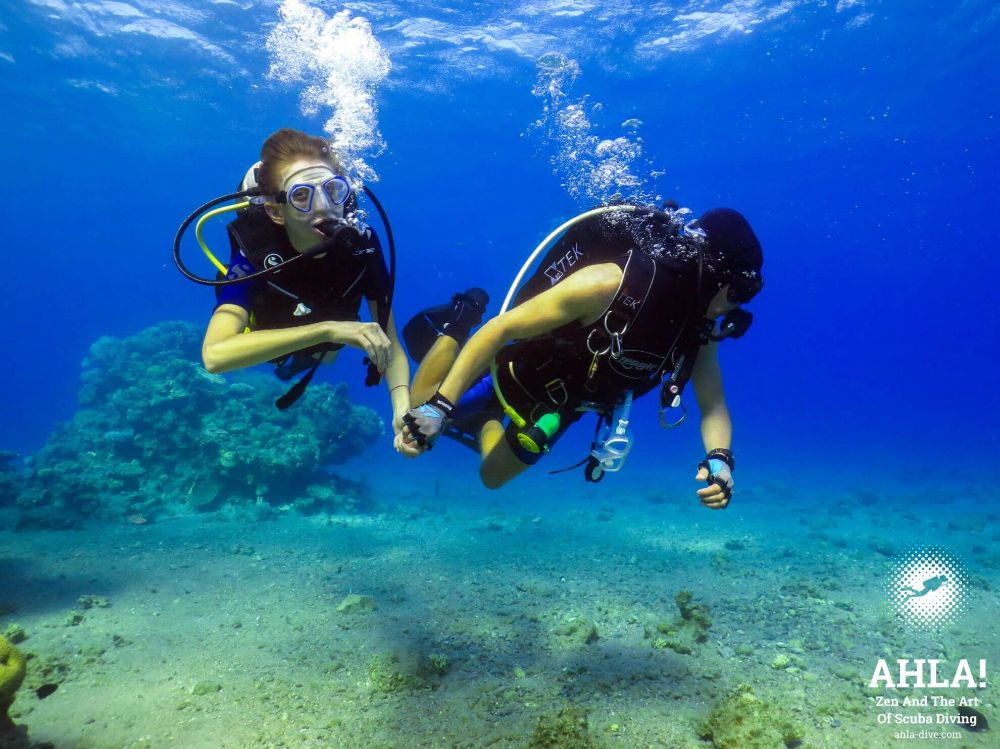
(427, 421)
(720, 466)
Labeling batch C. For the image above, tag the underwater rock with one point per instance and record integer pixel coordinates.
(156, 435)
(565, 728)
(89, 602)
(46, 670)
(741, 720)
(14, 634)
(687, 631)
(576, 632)
(845, 672)
(976, 721)
(356, 604)
(535, 587)
(404, 670)
(203, 688)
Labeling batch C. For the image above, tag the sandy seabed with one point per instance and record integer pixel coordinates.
(203, 631)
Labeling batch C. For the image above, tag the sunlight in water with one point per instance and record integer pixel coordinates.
(591, 168)
(340, 63)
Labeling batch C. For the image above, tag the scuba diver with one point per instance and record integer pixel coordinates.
(627, 299)
(929, 585)
(302, 262)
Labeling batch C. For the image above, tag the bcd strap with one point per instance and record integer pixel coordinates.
(259, 238)
(637, 280)
(590, 463)
(372, 375)
(296, 391)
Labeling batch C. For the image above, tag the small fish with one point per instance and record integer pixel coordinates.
(977, 721)
(45, 690)
(632, 123)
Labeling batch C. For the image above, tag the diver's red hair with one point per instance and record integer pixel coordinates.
(286, 146)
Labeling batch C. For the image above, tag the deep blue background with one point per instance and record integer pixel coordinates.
(866, 158)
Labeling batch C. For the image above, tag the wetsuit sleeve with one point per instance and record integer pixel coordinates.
(377, 277)
(240, 294)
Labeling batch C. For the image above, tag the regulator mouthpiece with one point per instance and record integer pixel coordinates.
(328, 227)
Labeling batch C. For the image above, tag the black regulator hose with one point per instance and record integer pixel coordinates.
(373, 377)
(321, 247)
(392, 252)
(312, 251)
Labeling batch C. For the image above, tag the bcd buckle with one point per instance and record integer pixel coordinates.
(556, 390)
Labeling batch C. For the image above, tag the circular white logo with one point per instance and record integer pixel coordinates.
(927, 587)
(273, 259)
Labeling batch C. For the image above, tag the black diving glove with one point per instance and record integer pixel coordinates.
(427, 421)
(720, 466)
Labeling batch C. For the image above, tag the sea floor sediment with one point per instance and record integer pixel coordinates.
(488, 622)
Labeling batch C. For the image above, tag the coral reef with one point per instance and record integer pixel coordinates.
(12, 671)
(10, 477)
(741, 720)
(684, 633)
(156, 434)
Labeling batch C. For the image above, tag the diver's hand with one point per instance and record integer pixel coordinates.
(399, 442)
(367, 336)
(425, 423)
(404, 448)
(717, 470)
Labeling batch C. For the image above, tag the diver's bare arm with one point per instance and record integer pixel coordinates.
(716, 426)
(227, 347)
(581, 297)
(397, 373)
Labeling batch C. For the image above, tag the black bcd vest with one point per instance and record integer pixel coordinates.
(330, 287)
(653, 328)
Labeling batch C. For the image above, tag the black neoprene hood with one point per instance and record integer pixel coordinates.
(732, 241)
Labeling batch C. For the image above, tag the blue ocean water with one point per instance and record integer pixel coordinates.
(859, 137)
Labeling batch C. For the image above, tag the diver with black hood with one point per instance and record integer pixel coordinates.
(626, 300)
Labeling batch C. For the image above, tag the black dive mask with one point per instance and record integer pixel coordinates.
(733, 325)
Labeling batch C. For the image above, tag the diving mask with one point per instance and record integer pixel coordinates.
(744, 286)
(733, 325)
(301, 195)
